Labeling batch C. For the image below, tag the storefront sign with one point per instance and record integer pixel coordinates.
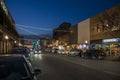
(110, 40)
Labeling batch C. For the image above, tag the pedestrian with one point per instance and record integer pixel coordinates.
(112, 52)
(83, 53)
(119, 54)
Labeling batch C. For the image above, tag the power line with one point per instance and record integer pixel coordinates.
(18, 25)
(28, 39)
(28, 31)
(32, 32)
(62, 31)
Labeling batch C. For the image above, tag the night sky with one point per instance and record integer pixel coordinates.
(49, 14)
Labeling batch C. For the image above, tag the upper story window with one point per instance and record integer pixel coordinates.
(114, 28)
(99, 28)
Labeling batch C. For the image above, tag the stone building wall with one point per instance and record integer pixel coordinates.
(105, 24)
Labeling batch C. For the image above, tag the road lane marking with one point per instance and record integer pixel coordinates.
(95, 68)
(91, 67)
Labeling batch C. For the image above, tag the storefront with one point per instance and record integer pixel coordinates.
(109, 46)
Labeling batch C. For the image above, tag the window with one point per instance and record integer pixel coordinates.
(12, 70)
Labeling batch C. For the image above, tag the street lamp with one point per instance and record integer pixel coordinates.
(6, 37)
(86, 41)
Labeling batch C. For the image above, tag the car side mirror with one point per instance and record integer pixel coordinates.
(37, 71)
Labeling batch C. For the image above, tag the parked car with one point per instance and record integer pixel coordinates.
(16, 67)
(59, 51)
(21, 50)
(74, 52)
(54, 50)
(64, 52)
(95, 54)
(47, 50)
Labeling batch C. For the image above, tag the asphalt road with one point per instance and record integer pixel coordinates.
(61, 67)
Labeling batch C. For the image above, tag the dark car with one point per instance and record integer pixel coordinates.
(21, 50)
(37, 51)
(16, 67)
(95, 54)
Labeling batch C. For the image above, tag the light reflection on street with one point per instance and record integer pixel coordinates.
(38, 56)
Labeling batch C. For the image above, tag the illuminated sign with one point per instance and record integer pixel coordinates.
(111, 40)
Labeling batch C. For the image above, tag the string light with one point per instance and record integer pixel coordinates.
(28, 31)
(32, 32)
(18, 25)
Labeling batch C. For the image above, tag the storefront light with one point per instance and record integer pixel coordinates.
(15, 41)
(111, 40)
(60, 47)
(80, 46)
(19, 44)
(84, 46)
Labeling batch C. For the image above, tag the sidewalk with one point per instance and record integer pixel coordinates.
(112, 58)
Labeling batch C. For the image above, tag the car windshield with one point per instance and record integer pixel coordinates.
(13, 70)
(19, 51)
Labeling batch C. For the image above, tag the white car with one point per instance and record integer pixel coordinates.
(74, 52)
(64, 52)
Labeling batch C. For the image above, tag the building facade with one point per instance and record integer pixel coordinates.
(73, 34)
(84, 32)
(8, 33)
(80, 34)
(105, 31)
(61, 34)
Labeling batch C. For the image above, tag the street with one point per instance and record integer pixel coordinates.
(61, 39)
(62, 67)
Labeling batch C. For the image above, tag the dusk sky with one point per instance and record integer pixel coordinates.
(49, 14)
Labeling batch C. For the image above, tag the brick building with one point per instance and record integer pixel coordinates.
(62, 33)
(105, 30)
